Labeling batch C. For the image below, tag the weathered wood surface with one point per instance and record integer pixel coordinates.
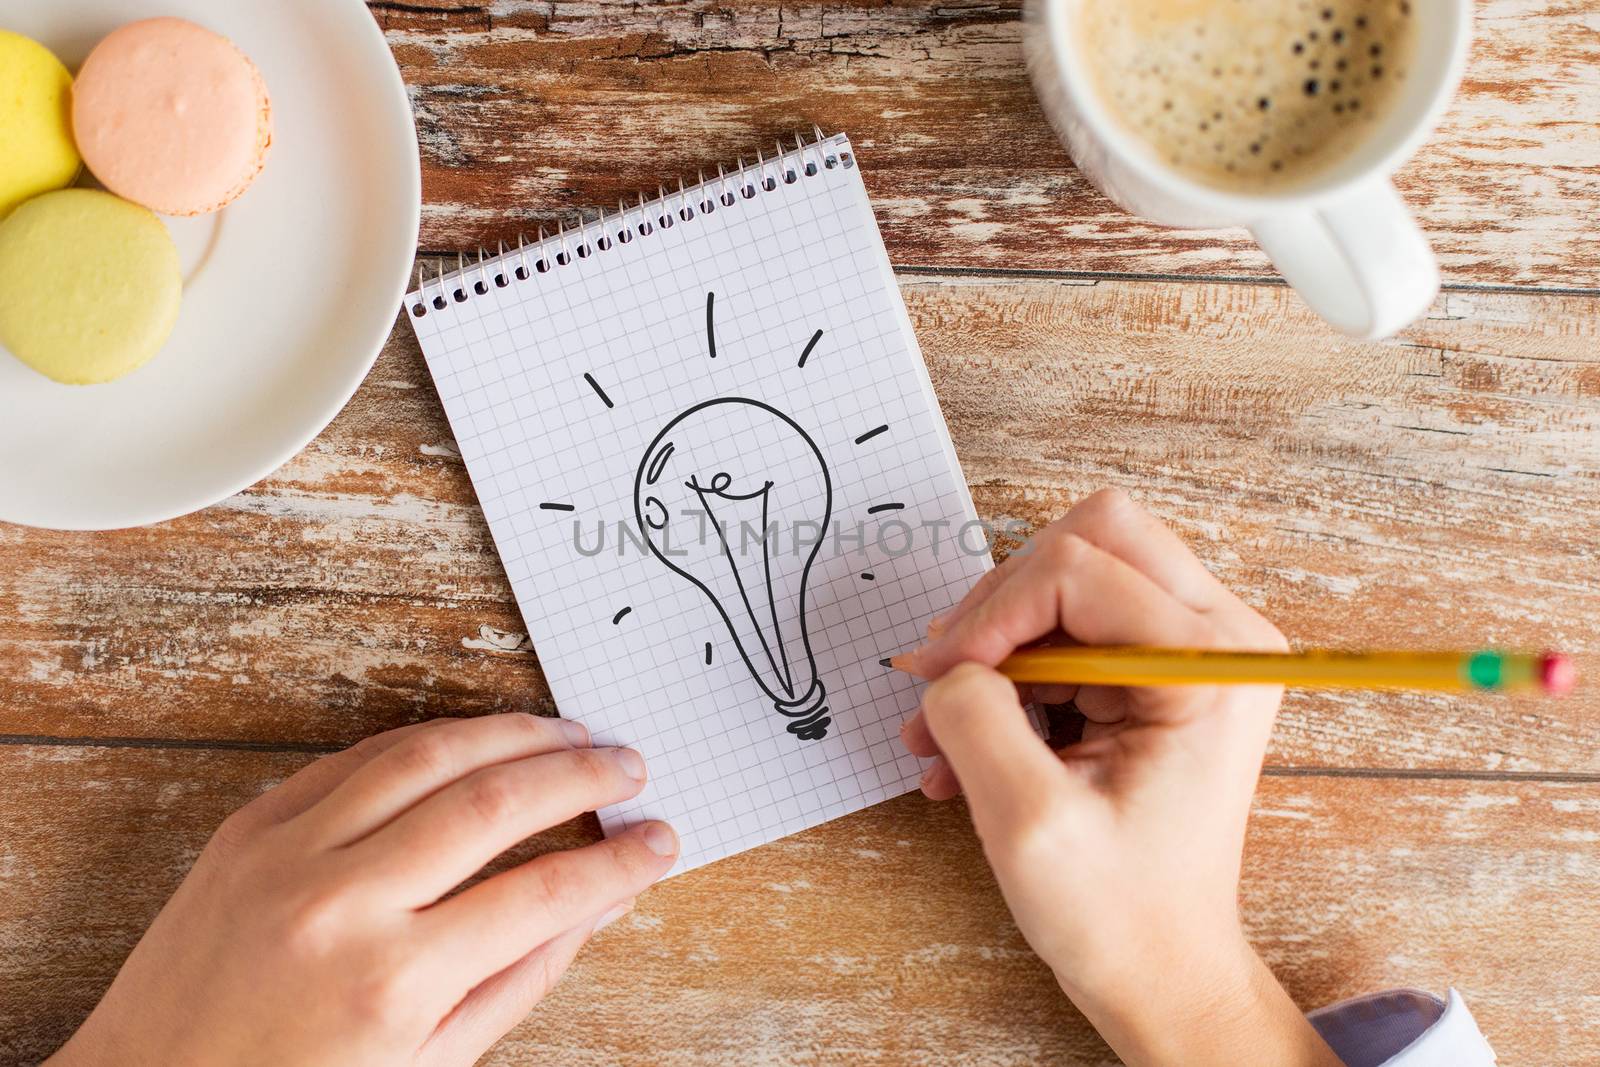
(529, 112)
(1438, 490)
(877, 939)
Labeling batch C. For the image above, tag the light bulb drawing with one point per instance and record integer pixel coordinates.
(734, 496)
(718, 493)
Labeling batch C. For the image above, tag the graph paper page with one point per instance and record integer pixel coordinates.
(660, 433)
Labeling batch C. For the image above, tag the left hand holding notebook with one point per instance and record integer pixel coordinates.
(1119, 856)
(311, 930)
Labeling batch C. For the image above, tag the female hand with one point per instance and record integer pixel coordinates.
(315, 929)
(1119, 856)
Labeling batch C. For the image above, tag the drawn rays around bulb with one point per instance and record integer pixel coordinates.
(711, 327)
(805, 355)
(710, 463)
(599, 392)
(870, 434)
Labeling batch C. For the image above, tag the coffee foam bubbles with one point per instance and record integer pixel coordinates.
(1248, 94)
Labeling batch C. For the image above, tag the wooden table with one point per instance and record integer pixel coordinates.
(1438, 488)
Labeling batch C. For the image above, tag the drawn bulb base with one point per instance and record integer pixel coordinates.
(809, 714)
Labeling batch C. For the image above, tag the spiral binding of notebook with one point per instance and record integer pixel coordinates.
(627, 224)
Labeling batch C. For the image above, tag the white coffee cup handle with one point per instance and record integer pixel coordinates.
(1362, 262)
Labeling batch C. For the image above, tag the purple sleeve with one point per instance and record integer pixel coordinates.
(1403, 1028)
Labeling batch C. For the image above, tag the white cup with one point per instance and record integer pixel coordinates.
(1343, 238)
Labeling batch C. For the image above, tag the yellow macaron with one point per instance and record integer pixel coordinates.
(37, 153)
(91, 285)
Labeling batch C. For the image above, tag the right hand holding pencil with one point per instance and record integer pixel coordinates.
(1118, 856)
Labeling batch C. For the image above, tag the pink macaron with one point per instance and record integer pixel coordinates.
(173, 116)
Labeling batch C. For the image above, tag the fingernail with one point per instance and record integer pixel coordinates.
(576, 735)
(661, 838)
(631, 762)
(613, 915)
(937, 624)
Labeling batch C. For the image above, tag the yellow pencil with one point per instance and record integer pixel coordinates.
(1547, 672)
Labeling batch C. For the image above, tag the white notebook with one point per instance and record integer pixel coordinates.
(659, 429)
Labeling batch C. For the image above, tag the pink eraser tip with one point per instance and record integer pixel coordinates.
(1557, 673)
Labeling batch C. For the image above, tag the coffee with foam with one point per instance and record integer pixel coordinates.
(1248, 95)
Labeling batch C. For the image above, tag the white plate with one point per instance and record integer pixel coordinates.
(289, 294)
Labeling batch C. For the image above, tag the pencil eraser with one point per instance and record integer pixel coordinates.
(1557, 673)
